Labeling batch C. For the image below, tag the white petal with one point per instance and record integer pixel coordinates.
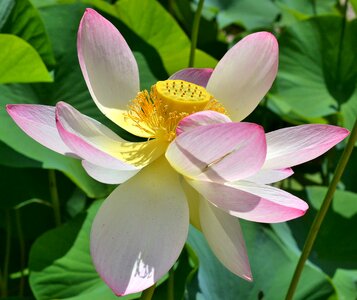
(140, 229)
(225, 237)
(109, 68)
(291, 146)
(245, 74)
(108, 175)
(268, 176)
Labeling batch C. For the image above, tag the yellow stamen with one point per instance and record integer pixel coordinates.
(158, 112)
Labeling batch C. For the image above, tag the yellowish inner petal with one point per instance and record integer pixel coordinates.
(138, 154)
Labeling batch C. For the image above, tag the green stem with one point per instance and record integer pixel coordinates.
(315, 227)
(194, 34)
(147, 294)
(20, 235)
(5, 274)
(313, 2)
(171, 6)
(1, 284)
(170, 285)
(340, 46)
(54, 196)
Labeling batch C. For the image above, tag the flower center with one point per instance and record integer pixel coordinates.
(182, 96)
(157, 113)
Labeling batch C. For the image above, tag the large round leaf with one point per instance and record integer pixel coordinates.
(61, 266)
(19, 62)
(249, 14)
(345, 282)
(318, 72)
(272, 263)
(335, 232)
(25, 22)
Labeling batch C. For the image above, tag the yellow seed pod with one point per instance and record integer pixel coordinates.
(182, 96)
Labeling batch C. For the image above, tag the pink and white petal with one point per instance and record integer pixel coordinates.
(108, 175)
(39, 122)
(219, 152)
(268, 176)
(199, 76)
(88, 138)
(292, 146)
(201, 118)
(140, 230)
(224, 236)
(245, 74)
(86, 135)
(251, 201)
(108, 66)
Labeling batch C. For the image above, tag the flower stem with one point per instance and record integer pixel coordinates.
(194, 34)
(340, 46)
(170, 285)
(315, 227)
(5, 273)
(20, 235)
(54, 196)
(148, 293)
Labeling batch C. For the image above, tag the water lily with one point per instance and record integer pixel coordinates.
(196, 165)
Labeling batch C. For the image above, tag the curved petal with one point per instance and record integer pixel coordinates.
(109, 68)
(88, 138)
(219, 152)
(268, 176)
(99, 145)
(251, 201)
(108, 175)
(39, 122)
(140, 230)
(291, 146)
(199, 76)
(245, 74)
(225, 237)
(201, 118)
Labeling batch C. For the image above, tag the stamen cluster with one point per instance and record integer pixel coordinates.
(153, 114)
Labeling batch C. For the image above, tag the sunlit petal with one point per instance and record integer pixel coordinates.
(245, 74)
(225, 237)
(108, 175)
(95, 142)
(88, 138)
(140, 230)
(291, 146)
(219, 152)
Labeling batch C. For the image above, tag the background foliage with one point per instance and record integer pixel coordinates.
(47, 257)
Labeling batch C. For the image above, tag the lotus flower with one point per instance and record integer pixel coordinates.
(214, 170)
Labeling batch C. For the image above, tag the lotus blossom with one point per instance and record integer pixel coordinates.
(197, 164)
